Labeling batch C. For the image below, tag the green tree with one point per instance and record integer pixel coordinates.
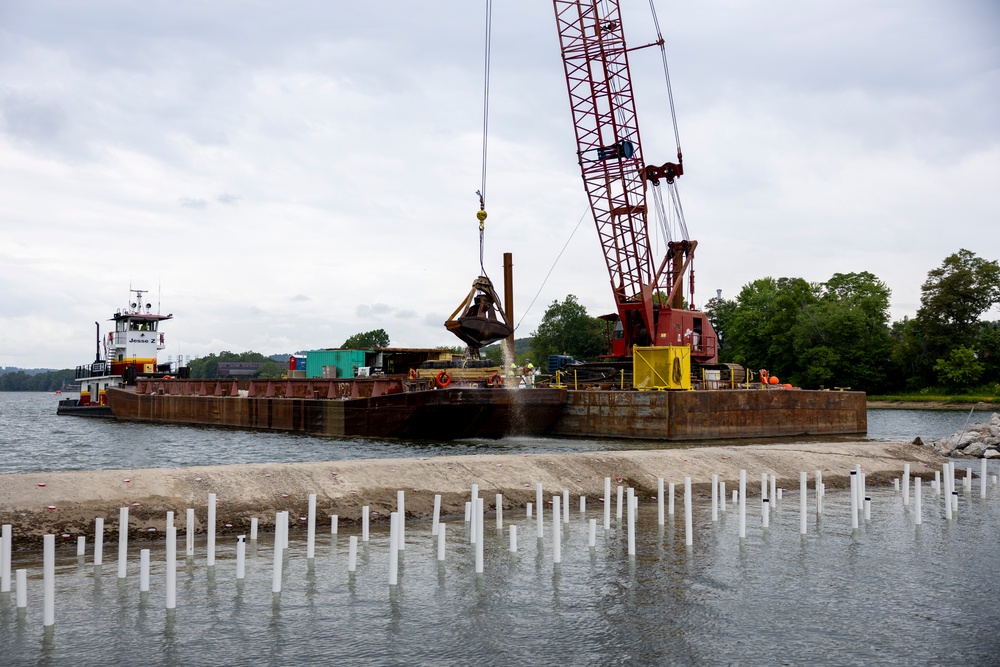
(566, 328)
(953, 298)
(960, 370)
(843, 337)
(367, 340)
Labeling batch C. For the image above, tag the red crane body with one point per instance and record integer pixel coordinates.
(649, 295)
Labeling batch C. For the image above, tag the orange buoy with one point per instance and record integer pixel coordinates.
(443, 379)
(774, 380)
(495, 380)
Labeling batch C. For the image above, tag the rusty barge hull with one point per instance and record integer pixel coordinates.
(427, 414)
(396, 408)
(712, 415)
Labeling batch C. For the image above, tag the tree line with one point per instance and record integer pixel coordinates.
(837, 333)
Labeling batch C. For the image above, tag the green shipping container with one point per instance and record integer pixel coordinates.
(345, 361)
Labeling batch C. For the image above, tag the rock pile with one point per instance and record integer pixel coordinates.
(979, 441)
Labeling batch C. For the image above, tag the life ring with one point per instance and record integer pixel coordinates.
(413, 374)
(495, 380)
(443, 379)
(764, 377)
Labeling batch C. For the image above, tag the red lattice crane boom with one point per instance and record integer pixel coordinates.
(649, 295)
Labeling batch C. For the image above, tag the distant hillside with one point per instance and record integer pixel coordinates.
(27, 371)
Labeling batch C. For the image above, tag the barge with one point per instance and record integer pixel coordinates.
(399, 407)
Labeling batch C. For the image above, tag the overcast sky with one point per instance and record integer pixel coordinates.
(282, 175)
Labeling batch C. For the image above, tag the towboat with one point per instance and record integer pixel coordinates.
(128, 353)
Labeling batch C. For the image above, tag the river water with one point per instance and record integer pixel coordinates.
(889, 593)
(33, 438)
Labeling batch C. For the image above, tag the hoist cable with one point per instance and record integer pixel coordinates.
(552, 268)
(666, 74)
(486, 126)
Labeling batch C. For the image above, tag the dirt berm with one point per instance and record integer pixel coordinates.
(66, 503)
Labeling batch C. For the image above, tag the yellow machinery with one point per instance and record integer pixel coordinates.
(663, 367)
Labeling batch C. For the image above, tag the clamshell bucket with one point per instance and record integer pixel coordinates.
(482, 321)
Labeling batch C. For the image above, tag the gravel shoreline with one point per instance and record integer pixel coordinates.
(66, 503)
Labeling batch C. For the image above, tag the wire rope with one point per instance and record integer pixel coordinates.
(552, 268)
(486, 127)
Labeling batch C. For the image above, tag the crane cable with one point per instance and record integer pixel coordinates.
(675, 196)
(552, 268)
(481, 214)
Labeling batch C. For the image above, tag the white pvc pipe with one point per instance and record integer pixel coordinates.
(144, 570)
(334, 524)
(715, 498)
(21, 588)
(688, 516)
(631, 522)
(6, 544)
(556, 531)
(968, 479)
(473, 514)
(820, 491)
(81, 545)
(441, 533)
(659, 501)
(565, 506)
(210, 527)
(947, 493)
(393, 548)
(468, 513)
(189, 533)
(499, 512)
(607, 503)
(437, 514)
(49, 580)
(780, 492)
(937, 482)
(765, 513)
(736, 498)
(253, 529)
(539, 512)
(803, 501)
(583, 504)
(527, 510)
(895, 484)
(401, 508)
(618, 506)
(513, 539)
(763, 486)
(98, 544)
(364, 523)
(743, 502)
(592, 537)
(352, 553)
(241, 556)
(862, 483)
(480, 538)
(917, 484)
(279, 553)
(906, 484)
(854, 499)
(982, 478)
(171, 569)
(670, 498)
(774, 488)
(722, 496)
(311, 528)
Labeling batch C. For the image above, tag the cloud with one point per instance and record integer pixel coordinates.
(817, 139)
(188, 202)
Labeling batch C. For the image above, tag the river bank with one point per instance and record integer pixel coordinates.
(932, 405)
(66, 503)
